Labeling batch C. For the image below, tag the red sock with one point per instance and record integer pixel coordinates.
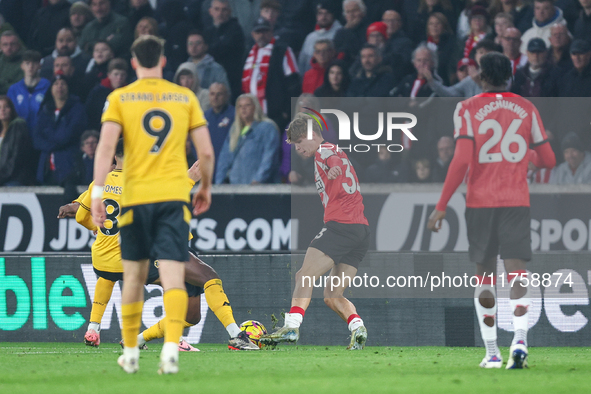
(353, 316)
(297, 309)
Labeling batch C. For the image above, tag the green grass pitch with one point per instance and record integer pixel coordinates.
(62, 368)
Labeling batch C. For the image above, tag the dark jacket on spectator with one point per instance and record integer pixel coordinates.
(565, 63)
(95, 103)
(574, 84)
(582, 27)
(93, 77)
(115, 25)
(400, 47)
(527, 86)
(134, 15)
(226, 45)
(45, 25)
(446, 55)
(26, 102)
(10, 71)
(418, 24)
(326, 89)
(280, 88)
(174, 30)
(16, 166)
(79, 58)
(379, 85)
(404, 88)
(59, 136)
(349, 41)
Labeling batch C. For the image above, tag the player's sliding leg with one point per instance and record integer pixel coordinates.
(102, 295)
(333, 297)
(316, 263)
(520, 301)
(202, 275)
(157, 330)
(485, 302)
(135, 274)
(175, 299)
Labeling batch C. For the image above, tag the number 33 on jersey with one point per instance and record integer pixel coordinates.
(341, 197)
(503, 126)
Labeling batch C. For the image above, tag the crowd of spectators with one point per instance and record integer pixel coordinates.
(245, 60)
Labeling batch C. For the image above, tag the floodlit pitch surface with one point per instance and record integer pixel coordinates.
(74, 368)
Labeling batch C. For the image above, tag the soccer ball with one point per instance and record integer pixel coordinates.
(254, 330)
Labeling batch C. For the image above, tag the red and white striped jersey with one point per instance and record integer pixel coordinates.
(256, 70)
(341, 197)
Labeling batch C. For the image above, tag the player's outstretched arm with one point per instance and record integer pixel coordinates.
(202, 142)
(103, 158)
(542, 156)
(68, 210)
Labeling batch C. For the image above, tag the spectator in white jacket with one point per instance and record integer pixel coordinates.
(546, 15)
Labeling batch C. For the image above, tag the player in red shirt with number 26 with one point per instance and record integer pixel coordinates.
(341, 244)
(494, 132)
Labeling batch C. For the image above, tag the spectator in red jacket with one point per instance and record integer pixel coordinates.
(324, 54)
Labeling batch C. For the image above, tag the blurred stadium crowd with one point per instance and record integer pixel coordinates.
(245, 59)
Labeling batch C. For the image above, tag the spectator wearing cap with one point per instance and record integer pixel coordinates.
(479, 19)
(108, 26)
(546, 14)
(511, 42)
(61, 121)
(10, 60)
(326, 28)
(576, 168)
(441, 40)
(349, 40)
(270, 73)
(535, 79)
(324, 54)
(46, 23)
(208, 69)
(28, 93)
(469, 86)
(65, 45)
(582, 28)
(116, 77)
(559, 53)
(577, 81)
(336, 81)
(462, 68)
(225, 40)
(399, 45)
(17, 166)
(80, 15)
(426, 8)
(374, 79)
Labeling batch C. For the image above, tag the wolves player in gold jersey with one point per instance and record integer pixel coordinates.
(106, 261)
(154, 116)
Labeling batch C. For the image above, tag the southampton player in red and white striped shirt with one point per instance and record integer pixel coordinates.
(341, 244)
(498, 134)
